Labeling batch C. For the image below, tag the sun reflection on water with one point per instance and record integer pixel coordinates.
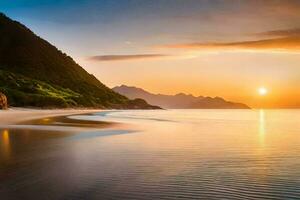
(262, 131)
(5, 143)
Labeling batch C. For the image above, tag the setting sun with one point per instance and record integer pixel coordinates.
(262, 91)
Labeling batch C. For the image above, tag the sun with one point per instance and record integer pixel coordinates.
(262, 91)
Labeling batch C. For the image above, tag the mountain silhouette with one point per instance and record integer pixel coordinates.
(180, 100)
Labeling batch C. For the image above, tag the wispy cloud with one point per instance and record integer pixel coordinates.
(281, 33)
(102, 58)
(291, 43)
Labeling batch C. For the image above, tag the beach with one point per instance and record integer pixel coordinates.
(17, 115)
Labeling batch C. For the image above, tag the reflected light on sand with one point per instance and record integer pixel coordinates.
(5, 143)
(262, 127)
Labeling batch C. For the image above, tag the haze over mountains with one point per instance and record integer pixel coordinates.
(35, 73)
(179, 100)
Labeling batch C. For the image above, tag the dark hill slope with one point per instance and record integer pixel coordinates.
(25, 54)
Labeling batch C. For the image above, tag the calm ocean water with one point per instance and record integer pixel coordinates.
(162, 154)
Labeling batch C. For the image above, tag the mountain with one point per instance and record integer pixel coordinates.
(35, 73)
(179, 100)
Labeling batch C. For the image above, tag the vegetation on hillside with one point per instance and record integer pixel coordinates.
(23, 91)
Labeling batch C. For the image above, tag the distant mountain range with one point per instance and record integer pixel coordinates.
(180, 100)
(35, 73)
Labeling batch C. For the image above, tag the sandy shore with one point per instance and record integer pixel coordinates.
(17, 115)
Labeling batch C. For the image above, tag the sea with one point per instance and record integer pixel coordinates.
(157, 154)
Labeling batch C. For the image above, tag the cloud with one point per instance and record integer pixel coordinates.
(102, 58)
(291, 43)
(281, 33)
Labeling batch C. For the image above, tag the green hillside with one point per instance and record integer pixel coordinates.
(36, 73)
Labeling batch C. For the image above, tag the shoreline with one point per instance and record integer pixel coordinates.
(16, 116)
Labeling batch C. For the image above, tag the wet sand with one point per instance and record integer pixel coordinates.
(50, 121)
(19, 115)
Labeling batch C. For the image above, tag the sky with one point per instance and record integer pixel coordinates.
(226, 48)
